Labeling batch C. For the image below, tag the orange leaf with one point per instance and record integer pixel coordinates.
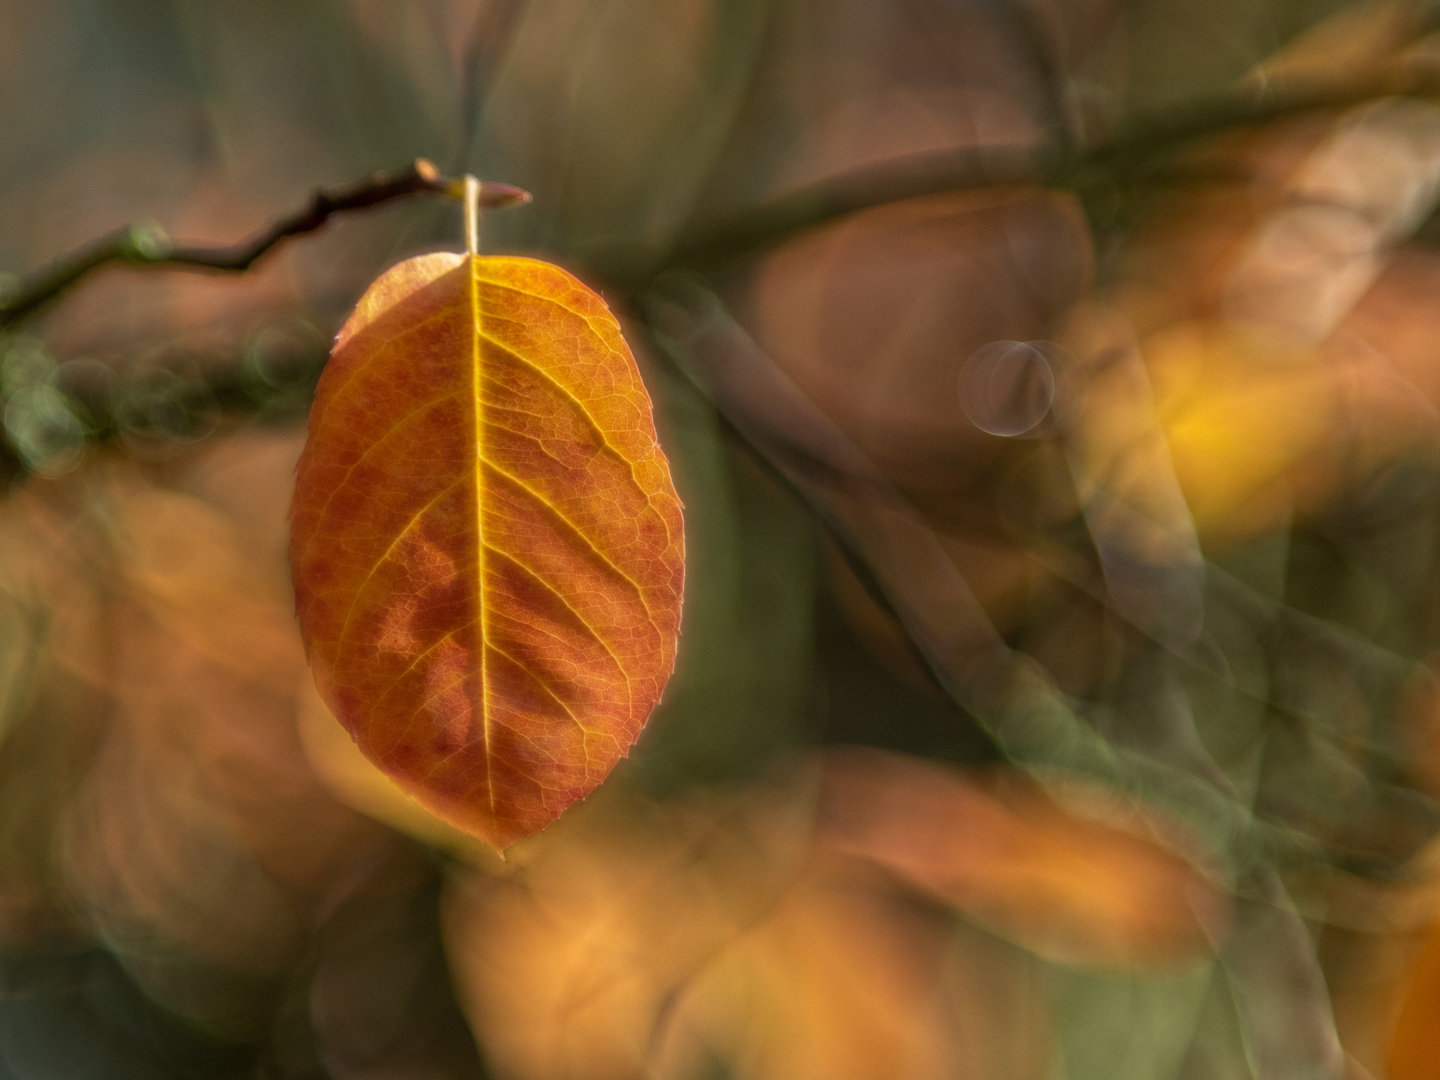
(486, 546)
(1069, 888)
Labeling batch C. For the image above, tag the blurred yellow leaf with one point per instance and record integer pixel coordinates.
(569, 965)
(1240, 412)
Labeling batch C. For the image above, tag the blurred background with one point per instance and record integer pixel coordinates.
(1053, 387)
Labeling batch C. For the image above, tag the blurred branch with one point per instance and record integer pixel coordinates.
(1142, 154)
(145, 244)
(1137, 155)
(961, 169)
(1131, 157)
(901, 564)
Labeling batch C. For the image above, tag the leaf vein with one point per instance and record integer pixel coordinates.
(558, 701)
(350, 471)
(531, 572)
(375, 568)
(564, 520)
(594, 425)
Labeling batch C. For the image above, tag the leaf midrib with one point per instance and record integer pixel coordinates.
(476, 358)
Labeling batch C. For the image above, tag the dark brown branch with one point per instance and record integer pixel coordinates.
(145, 244)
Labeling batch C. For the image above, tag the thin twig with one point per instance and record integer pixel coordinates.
(145, 244)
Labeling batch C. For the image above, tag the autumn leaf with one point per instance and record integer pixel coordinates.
(486, 545)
